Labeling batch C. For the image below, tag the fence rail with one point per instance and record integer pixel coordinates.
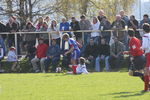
(49, 33)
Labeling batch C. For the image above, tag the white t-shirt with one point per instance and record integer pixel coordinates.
(146, 43)
(1, 53)
(81, 69)
(11, 56)
(95, 27)
(54, 35)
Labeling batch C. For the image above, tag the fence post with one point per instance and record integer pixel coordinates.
(83, 37)
(49, 37)
(16, 45)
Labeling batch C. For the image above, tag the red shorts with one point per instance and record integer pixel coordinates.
(74, 68)
(148, 60)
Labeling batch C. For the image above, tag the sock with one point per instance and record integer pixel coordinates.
(141, 75)
(146, 82)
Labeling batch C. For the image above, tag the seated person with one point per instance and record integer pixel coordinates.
(116, 53)
(12, 57)
(1, 57)
(91, 53)
(40, 56)
(103, 54)
(80, 68)
(53, 55)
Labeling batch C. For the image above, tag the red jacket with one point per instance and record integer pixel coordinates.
(41, 50)
(135, 47)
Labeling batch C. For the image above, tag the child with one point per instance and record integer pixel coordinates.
(11, 57)
(1, 57)
(80, 68)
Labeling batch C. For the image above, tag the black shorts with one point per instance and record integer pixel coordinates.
(139, 62)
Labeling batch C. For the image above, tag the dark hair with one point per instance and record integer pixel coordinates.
(82, 60)
(83, 16)
(133, 16)
(145, 15)
(131, 32)
(73, 18)
(146, 27)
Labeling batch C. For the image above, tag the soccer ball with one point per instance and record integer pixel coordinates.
(58, 70)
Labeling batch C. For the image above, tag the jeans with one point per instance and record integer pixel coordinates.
(51, 61)
(96, 39)
(97, 63)
(35, 61)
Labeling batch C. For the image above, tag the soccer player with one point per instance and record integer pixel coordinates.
(136, 54)
(146, 48)
(74, 49)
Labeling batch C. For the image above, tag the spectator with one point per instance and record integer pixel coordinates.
(116, 50)
(85, 25)
(3, 29)
(133, 24)
(29, 38)
(105, 25)
(101, 15)
(53, 56)
(11, 26)
(95, 26)
(12, 57)
(118, 25)
(39, 24)
(103, 54)
(55, 34)
(30, 51)
(75, 27)
(47, 20)
(40, 56)
(64, 26)
(2, 43)
(146, 19)
(90, 53)
(1, 57)
(124, 17)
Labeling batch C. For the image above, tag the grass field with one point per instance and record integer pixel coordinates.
(94, 86)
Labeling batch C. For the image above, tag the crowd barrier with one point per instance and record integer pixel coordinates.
(49, 33)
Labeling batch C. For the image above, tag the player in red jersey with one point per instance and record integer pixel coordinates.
(136, 55)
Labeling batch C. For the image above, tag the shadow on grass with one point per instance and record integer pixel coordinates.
(127, 94)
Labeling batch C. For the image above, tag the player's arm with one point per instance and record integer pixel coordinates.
(70, 50)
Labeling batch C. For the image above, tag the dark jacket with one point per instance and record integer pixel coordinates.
(103, 50)
(91, 50)
(75, 26)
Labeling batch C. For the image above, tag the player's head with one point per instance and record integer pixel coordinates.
(131, 33)
(146, 27)
(65, 36)
(82, 60)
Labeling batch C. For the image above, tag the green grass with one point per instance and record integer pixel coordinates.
(94, 86)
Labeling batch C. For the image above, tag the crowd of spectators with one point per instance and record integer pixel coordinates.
(95, 46)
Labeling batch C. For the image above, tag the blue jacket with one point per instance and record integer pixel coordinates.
(53, 51)
(65, 25)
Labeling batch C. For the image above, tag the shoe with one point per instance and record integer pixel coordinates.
(144, 91)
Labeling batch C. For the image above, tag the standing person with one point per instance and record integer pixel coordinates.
(75, 27)
(95, 26)
(146, 19)
(105, 25)
(55, 31)
(74, 49)
(1, 57)
(146, 48)
(124, 17)
(136, 55)
(40, 56)
(64, 26)
(85, 25)
(133, 23)
(3, 29)
(101, 15)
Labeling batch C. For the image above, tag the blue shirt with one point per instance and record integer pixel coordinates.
(64, 26)
(73, 43)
